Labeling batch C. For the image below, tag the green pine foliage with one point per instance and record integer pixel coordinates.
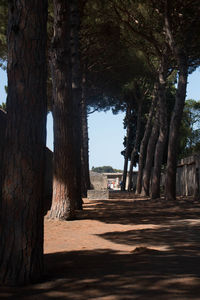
(189, 140)
(105, 169)
(3, 27)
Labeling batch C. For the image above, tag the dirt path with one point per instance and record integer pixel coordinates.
(121, 249)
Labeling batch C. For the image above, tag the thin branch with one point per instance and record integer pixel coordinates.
(91, 112)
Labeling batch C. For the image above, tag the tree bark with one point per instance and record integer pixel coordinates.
(136, 144)
(128, 115)
(144, 141)
(2, 139)
(150, 156)
(84, 142)
(170, 184)
(158, 158)
(77, 96)
(21, 230)
(64, 169)
(182, 60)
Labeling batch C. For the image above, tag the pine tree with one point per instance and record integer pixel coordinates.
(21, 230)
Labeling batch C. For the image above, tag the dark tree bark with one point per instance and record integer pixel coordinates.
(128, 116)
(48, 164)
(144, 141)
(21, 230)
(84, 142)
(170, 184)
(182, 60)
(2, 139)
(150, 156)
(64, 193)
(77, 95)
(158, 157)
(136, 143)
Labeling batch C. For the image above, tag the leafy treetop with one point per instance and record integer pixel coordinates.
(106, 169)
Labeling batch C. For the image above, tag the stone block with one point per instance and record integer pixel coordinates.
(98, 195)
(98, 181)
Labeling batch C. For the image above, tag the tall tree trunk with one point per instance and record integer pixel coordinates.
(2, 139)
(21, 230)
(136, 144)
(77, 95)
(84, 142)
(150, 156)
(182, 60)
(128, 116)
(170, 184)
(64, 193)
(158, 157)
(144, 141)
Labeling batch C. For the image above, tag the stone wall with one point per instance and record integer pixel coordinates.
(98, 195)
(98, 181)
(188, 176)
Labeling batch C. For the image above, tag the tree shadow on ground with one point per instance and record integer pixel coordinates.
(107, 274)
(133, 211)
(183, 238)
(144, 273)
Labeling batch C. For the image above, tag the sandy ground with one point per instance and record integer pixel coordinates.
(121, 249)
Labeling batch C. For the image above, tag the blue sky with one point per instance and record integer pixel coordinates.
(106, 130)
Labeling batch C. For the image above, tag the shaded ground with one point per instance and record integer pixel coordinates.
(121, 249)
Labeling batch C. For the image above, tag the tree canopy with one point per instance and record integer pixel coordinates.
(105, 169)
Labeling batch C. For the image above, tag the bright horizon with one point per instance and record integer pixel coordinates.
(106, 132)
